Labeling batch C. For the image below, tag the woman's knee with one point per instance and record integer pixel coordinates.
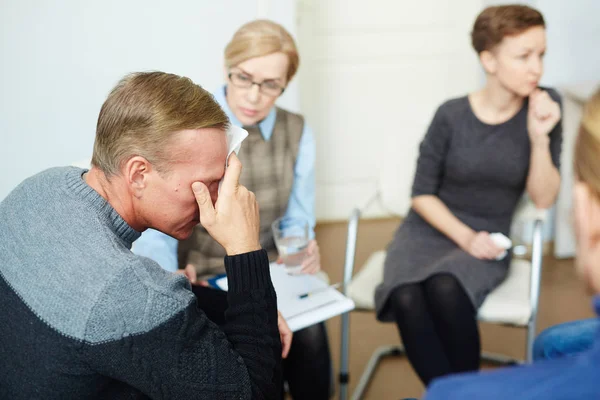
(444, 291)
(406, 298)
(312, 340)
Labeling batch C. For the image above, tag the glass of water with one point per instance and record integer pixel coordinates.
(291, 238)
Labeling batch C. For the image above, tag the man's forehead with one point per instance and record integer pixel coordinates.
(201, 147)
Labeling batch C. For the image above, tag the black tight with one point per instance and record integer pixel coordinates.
(438, 326)
(307, 369)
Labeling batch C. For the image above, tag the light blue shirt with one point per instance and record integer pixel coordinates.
(163, 248)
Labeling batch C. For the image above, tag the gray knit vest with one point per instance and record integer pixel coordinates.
(268, 171)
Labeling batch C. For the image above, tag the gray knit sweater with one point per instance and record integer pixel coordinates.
(83, 317)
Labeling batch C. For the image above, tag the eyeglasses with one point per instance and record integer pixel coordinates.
(268, 87)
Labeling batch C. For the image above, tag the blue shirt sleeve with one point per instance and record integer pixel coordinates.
(159, 247)
(302, 197)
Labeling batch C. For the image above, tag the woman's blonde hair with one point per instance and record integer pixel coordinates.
(141, 115)
(587, 147)
(260, 38)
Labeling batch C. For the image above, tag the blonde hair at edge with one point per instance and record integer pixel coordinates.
(587, 148)
(260, 38)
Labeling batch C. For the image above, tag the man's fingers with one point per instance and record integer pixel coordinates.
(285, 334)
(207, 210)
(232, 174)
(286, 344)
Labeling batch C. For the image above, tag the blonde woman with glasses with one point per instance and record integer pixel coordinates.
(279, 160)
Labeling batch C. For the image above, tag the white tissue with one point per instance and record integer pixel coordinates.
(235, 136)
(501, 241)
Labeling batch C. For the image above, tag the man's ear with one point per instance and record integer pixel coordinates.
(488, 61)
(136, 172)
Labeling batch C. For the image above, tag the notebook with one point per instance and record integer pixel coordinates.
(300, 311)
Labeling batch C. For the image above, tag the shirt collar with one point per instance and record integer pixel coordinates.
(265, 126)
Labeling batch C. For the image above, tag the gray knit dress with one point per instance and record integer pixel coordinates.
(479, 171)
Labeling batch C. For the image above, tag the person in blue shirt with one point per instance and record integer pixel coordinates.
(566, 339)
(574, 377)
(278, 158)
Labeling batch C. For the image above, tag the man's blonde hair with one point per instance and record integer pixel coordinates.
(260, 38)
(142, 114)
(587, 147)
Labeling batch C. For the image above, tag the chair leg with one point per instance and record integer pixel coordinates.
(530, 340)
(344, 348)
(380, 353)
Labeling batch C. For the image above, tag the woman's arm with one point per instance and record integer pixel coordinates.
(429, 177)
(159, 247)
(543, 180)
(545, 134)
(302, 197)
(434, 211)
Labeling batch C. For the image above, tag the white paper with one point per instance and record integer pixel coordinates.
(501, 241)
(235, 137)
(300, 313)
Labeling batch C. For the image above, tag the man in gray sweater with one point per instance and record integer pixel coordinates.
(82, 317)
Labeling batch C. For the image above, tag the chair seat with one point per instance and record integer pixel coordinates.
(507, 304)
(362, 287)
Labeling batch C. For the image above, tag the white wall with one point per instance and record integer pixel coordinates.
(373, 73)
(59, 60)
(573, 39)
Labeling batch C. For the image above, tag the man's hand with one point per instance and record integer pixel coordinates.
(285, 334)
(234, 220)
(542, 116)
(312, 262)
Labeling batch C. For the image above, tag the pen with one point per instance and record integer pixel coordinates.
(307, 294)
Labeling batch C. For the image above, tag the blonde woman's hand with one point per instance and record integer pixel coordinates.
(312, 262)
(189, 272)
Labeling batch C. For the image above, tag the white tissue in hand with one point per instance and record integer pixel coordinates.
(501, 241)
(235, 136)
